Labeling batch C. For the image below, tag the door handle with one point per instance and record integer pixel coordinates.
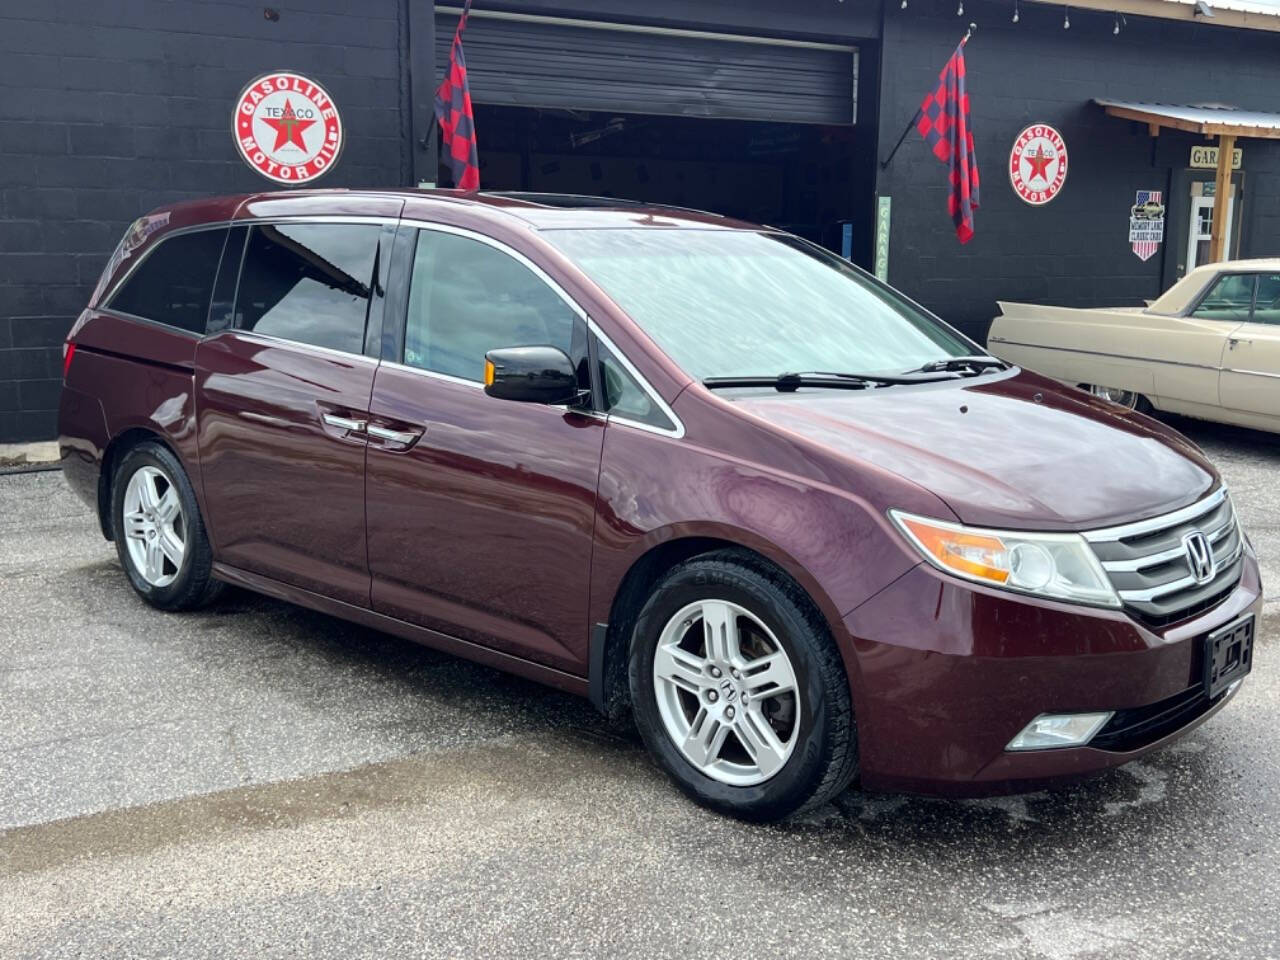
(1233, 342)
(392, 436)
(343, 423)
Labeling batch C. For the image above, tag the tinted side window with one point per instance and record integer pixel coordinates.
(1267, 308)
(175, 281)
(623, 396)
(1229, 299)
(308, 282)
(466, 298)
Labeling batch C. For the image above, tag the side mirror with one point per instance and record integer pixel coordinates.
(530, 375)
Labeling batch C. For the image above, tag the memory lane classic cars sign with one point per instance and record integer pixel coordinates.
(287, 128)
(1146, 224)
(1038, 164)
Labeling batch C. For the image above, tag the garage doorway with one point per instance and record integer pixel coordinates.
(799, 177)
(760, 128)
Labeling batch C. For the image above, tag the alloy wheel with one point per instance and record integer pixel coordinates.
(726, 692)
(154, 528)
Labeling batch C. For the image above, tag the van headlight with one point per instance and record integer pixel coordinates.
(1056, 565)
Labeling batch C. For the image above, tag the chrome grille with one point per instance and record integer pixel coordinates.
(1150, 568)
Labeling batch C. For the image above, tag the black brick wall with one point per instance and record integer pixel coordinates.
(108, 110)
(1074, 251)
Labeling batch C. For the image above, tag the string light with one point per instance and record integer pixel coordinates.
(1066, 18)
(1120, 19)
(904, 4)
(1016, 15)
(960, 9)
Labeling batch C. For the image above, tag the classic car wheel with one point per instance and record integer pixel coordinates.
(159, 534)
(1124, 398)
(739, 691)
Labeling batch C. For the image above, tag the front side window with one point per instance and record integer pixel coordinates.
(466, 298)
(309, 282)
(737, 303)
(1266, 308)
(174, 284)
(623, 396)
(1230, 298)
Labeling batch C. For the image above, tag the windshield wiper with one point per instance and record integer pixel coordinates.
(789, 382)
(972, 365)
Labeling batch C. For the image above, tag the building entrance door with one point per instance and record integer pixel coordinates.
(1200, 229)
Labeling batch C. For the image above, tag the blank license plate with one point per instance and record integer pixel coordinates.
(1228, 655)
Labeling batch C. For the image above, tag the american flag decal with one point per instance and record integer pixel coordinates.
(1146, 224)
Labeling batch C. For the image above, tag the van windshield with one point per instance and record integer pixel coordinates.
(729, 303)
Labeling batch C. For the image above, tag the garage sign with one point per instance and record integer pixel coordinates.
(287, 128)
(1038, 164)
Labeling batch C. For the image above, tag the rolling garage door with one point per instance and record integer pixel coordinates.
(531, 61)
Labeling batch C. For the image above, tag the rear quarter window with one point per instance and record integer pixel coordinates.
(174, 283)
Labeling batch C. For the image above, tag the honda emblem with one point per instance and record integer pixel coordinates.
(1199, 556)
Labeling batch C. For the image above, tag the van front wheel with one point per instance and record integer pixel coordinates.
(739, 691)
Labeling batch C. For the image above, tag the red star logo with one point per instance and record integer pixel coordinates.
(1039, 164)
(288, 128)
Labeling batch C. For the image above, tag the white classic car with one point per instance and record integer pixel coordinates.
(1209, 348)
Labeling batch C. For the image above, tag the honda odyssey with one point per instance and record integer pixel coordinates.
(698, 470)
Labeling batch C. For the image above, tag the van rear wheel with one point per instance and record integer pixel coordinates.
(160, 536)
(739, 691)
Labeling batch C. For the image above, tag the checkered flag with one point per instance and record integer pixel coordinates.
(944, 124)
(457, 122)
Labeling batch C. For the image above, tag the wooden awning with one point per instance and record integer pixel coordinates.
(1225, 123)
(1211, 121)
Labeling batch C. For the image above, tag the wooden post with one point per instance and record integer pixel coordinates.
(1221, 197)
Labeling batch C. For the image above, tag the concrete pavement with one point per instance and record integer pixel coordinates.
(256, 779)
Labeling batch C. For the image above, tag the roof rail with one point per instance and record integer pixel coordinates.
(582, 200)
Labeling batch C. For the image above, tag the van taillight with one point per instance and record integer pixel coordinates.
(68, 351)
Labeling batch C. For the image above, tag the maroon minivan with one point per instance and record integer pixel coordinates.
(691, 468)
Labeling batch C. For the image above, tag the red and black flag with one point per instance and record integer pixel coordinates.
(457, 122)
(944, 123)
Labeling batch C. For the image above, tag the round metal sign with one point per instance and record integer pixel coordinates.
(287, 128)
(1038, 164)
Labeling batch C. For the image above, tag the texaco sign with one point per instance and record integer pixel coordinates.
(1038, 164)
(287, 128)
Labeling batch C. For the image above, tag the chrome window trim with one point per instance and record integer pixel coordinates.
(1197, 509)
(677, 431)
(432, 374)
(166, 327)
(272, 339)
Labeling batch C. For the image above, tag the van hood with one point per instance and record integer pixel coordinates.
(1011, 449)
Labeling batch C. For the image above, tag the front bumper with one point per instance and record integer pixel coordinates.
(944, 674)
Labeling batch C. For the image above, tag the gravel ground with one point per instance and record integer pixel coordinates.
(257, 779)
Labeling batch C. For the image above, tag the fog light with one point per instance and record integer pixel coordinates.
(1051, 730)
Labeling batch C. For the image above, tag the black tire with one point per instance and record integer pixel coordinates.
(824, 759)
(193, 586)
